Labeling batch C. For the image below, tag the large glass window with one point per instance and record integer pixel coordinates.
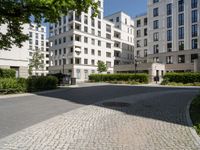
(181, 32)
(181, 19)
(156, 24)
(181, 45)
(169, 22)
(194, 3)
(169, 9)
(155, 12)
(155, 1)
(194, 16)
(194, 30)
(181, 58)
(169, 47)
(181, 5)
(194, 43)
(156, 36)
(169, 35)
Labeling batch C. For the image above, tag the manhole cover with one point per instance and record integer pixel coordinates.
(116, 104)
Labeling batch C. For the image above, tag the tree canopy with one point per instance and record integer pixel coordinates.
(101, 67)
(16, 13)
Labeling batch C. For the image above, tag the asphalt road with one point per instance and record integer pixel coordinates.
(21, 112)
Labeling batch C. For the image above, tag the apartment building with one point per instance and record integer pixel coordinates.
(174, 33)
(38, 42)
(20, 58)
(78, 42)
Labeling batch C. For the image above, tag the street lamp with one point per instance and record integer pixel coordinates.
(63, 57)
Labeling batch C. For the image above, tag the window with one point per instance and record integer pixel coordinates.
(193, 57)
(155, 12)
(99, 24)
(138, 43)
(145, 53)
(169, 22)
(108, 36)
(138, 23)
(169, 47)
(194, 30)
(145, 21)
(64, 19)
(169, 60)
(181, 5)
(85, 39)
(138, 33)
(108, 28)
(181, 58)
(64, 51)
(194, 3)
(181, 33)
(169, 9)
(145, 32)
(181, 45)
(60, 52)
(36, 42)
(93, 31)
(194, 43)
(64, 29)
(99, 43)
(85, 51)
(108, 45)
(145, 42)
(117, 19)
(169, 35)
(155, 49)
(108, 64)
(194, 16)
(93, 22)
(108, 54)
(156, 36)
(85, 29)
(181, 19)
(93, 42)
(99, 53)
(64, 39)
(155, 1)
(93, 62)
(156, 24)
(85, 61)
(85, 19)
(60, 41)
(92, 52)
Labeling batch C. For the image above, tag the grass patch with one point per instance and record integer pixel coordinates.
(180, 84)
(195, 113)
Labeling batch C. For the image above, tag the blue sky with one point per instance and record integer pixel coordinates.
(131, 7)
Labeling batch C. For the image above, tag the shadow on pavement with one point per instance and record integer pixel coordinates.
(169, 107)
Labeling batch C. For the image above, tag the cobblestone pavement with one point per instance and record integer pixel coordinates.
(153, 121)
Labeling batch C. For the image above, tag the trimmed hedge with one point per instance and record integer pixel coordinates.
(141, 78)
(7, 73)
(182, 77)
(41, 83)
(32, 84)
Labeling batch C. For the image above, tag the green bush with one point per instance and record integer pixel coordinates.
(182, 77)
(41, 83)
(12, 85)
(7, 73)
(141, 78)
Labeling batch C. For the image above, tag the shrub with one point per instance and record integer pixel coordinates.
(12, 85)
(182, 77)
(41, 83)
(7, 73)
(141, 78)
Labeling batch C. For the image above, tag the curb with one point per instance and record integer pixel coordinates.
(189, 122)
(30, 94)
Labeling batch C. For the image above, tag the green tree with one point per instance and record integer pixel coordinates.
(101, 67)
(36, 62)
(16, 13)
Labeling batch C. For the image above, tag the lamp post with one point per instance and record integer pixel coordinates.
(63, 57)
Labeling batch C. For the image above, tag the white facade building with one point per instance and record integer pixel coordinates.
(79, 42)
(19, 58)
(174, 33)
